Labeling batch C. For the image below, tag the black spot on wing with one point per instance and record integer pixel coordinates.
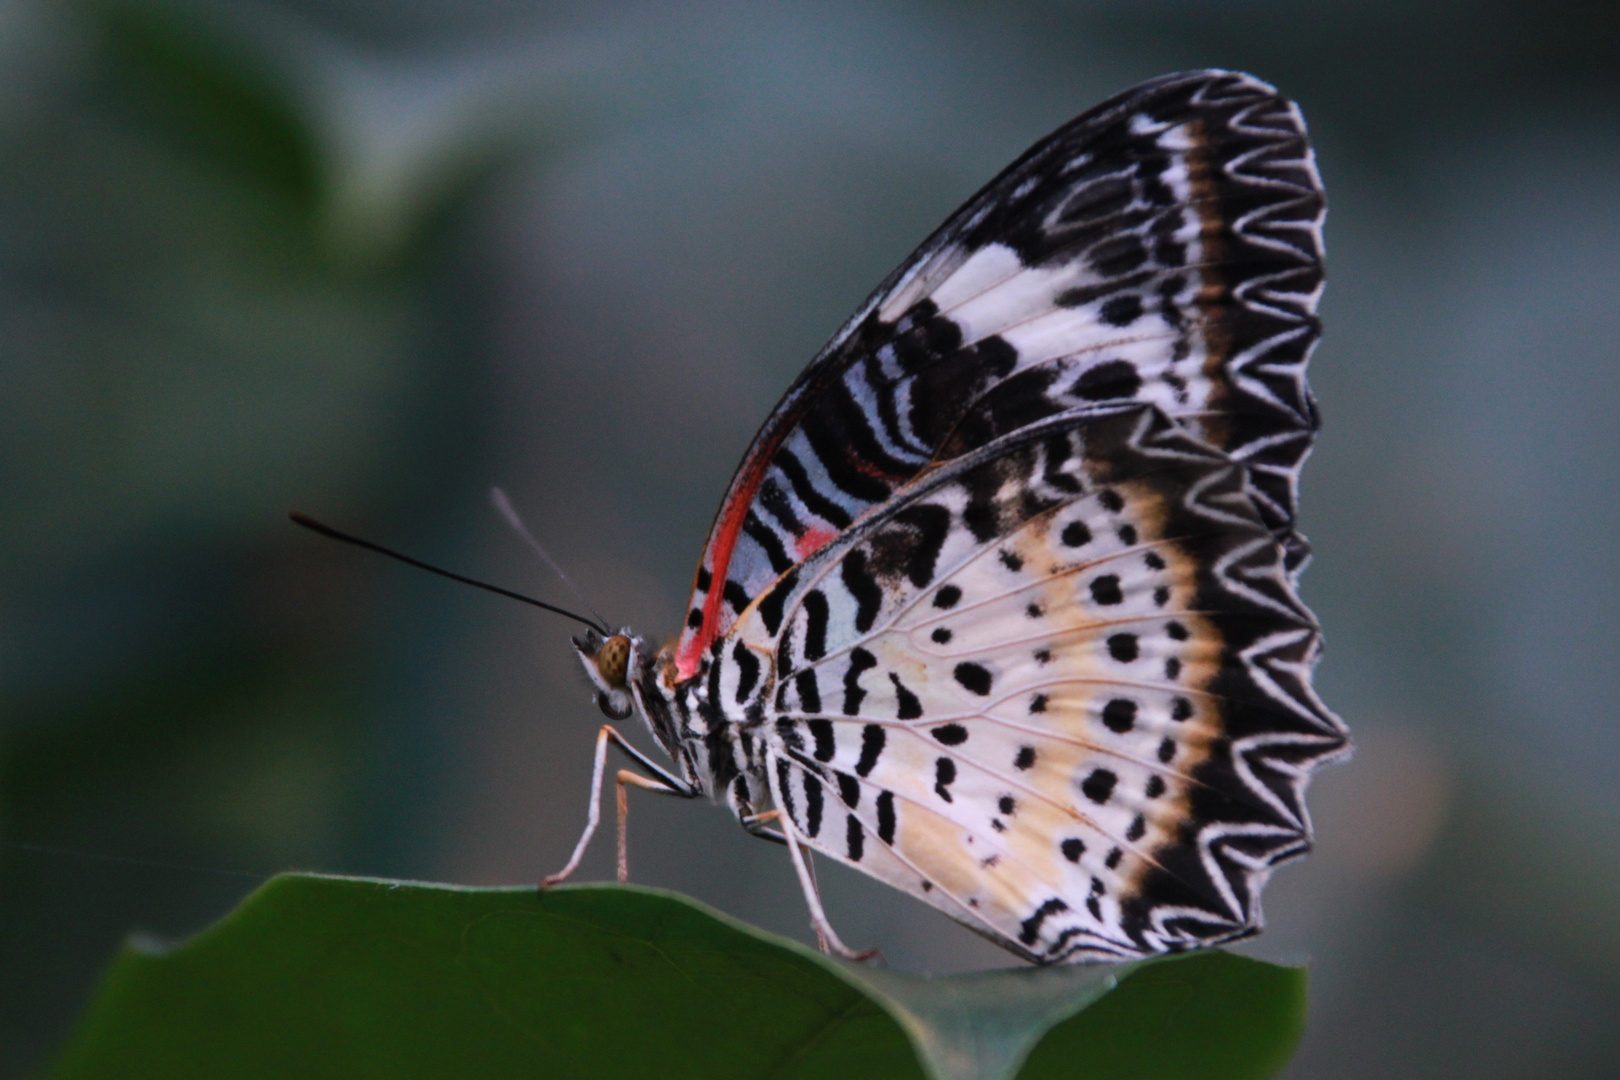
(1075, 534)
(950, 734)
(974, 678)
(784, 662)
(855, 839)
(812, 805)
(849, 789)
(1099, 785)
(860, 661)
(1109, 380)
(809, 690)
(1119, 715)
(944, 777)
(873, 738)
(863, 587)
(907, 705)
(815, 631)
(885, 815)
(821, 730)
(1105, 590)
(1122, 310)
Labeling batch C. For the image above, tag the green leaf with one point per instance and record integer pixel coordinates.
(345, 977)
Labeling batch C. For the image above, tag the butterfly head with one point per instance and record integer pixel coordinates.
(607, 663)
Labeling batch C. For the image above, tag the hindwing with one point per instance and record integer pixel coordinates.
(1059, 688)
(1163, 249)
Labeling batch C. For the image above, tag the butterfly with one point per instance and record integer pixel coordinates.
(1000, 607)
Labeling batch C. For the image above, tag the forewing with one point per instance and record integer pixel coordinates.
(1060, 689)
(1163, 248)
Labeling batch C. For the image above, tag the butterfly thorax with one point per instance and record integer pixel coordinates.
(709, 745)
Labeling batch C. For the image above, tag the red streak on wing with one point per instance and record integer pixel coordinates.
(722, 539)
(740, 497)
(812, 540)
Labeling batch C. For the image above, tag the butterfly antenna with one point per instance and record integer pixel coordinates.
(326, 530)
(504, 506)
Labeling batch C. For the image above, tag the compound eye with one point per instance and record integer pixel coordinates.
(613, 660)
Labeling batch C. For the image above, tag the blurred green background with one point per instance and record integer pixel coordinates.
(368, 257)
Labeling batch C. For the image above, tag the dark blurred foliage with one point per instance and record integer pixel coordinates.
(365, 257)
(193, 345)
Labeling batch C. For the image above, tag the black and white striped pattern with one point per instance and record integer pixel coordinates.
(1097, 590)
(1000, 605)
(1163, 248)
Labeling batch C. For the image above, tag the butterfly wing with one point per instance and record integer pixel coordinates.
(1162, 248)
(1058, 688)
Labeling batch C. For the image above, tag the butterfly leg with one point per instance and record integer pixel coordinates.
(754, 825)
(625, 777)
(826, 936)
(821, 939)
(662, 781)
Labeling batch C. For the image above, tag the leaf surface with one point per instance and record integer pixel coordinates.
(329, 977)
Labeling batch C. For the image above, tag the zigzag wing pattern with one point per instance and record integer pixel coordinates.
(1163, 248)
(1060, 689)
